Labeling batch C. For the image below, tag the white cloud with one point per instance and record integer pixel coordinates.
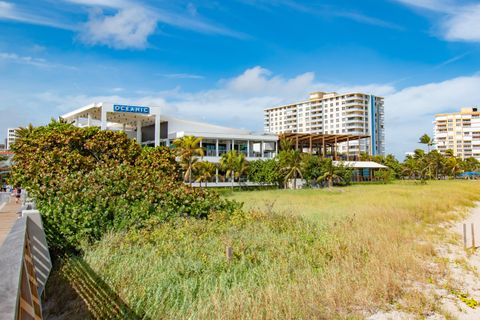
(464, 25)
(119, 24)
(458, 22)
(132, 23)
(36, 62)
(182, 76)
(128, 28)
(10, 11)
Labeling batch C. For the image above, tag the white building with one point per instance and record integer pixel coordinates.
(11, 137)
(332, 113)
(459, 132)
(149, 127)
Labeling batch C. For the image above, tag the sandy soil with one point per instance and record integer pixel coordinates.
(460, 285)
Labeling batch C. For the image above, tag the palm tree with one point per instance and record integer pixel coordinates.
(449, 153)
(437, 161)
(291, 164)
(24, 132)
(410, 167)
(454, 166)
(241, 166)
(229, 163)
(425, 139)
(286, 144)
(330, 173)
(205, 170)
(188, 150)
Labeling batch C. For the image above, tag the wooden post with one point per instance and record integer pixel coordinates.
(310, 144)
(348, 149)
(229, 253)
(323, 146)
(473, 235)
(296, 143)
(464, 236)
(335, 149)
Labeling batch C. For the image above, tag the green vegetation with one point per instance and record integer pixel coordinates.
(234, 164)
(142, 243)
(264, 172)
(87, 182)
(315, 253)
(188, 149)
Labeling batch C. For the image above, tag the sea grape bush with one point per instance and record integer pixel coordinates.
(87, 181)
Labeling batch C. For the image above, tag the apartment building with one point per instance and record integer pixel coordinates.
(11, 137)
(459, 132)
(333, 113)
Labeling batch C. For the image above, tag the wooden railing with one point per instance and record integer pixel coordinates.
(24, 268)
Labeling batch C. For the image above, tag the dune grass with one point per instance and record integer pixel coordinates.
(302, 254)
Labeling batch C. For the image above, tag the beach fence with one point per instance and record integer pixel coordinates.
(469, 234)
(25, 265)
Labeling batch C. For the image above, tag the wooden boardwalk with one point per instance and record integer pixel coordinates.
(8, 216)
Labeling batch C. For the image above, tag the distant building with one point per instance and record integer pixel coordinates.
(459, 132)
(11, 137)
(333, 113)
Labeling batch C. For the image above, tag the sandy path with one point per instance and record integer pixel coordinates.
(462, 274)
(464, 269)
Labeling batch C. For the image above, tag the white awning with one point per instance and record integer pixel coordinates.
(361, 164)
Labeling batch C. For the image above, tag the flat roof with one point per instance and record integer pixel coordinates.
(227, 136)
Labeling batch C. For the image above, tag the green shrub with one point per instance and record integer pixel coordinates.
(87, 181)
(264, 171)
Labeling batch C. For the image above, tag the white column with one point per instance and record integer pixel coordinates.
(216, 150)
(276, 147)
(89, 120)
(233, 145)
(248, 148)
(103, 119)
(216, 175)
(139, 131)
(157, 130)
(261, 148)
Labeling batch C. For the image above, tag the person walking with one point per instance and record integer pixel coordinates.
(18, 194)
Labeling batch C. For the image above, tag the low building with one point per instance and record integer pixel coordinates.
(149, 127)
(459, 132)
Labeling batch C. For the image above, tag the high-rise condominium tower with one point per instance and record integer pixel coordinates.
(333, 113)
(459, 132)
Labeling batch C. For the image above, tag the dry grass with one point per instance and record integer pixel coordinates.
(359, 249)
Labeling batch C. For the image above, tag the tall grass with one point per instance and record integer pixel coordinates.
(297, 255)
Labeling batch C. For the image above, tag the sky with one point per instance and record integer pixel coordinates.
(223, 62)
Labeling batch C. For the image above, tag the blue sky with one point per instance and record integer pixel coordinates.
(225, 61)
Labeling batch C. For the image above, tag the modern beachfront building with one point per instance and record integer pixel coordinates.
(152, 128)
(357, 114)
(459, 132)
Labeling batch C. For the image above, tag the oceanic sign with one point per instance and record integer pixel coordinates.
(131, 109)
